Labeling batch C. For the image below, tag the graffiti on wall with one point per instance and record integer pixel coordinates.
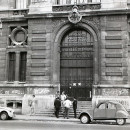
(43, 91)
(12, 91)
(40, 91)
(115, 92)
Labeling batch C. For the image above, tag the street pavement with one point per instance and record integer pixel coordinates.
(44, 125)
(54, 119)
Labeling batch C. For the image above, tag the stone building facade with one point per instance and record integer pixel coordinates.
(80, 47)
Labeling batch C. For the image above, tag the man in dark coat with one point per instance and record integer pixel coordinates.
(75, 107)
(57, 104)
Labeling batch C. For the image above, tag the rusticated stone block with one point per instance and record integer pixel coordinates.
(40, 65)
(113, 55)
(38, 31)
(38, 57)
(113, 29)
(38, 47)
(113, 64)
(113, 73)
(37, 73)
(113, 46)
(113, 37)
(38, 39)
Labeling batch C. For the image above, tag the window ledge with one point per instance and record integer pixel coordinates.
(15, 82)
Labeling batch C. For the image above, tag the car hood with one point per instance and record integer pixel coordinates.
(6, 108)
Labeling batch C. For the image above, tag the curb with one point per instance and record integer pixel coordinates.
(46, 119)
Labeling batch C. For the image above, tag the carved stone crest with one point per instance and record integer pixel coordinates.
(75, 16)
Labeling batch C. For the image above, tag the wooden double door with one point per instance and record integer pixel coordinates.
(76, 64)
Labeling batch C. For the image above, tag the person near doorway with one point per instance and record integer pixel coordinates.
(67, 104)
(75, 106)
(32, 105)
(57, 94)
(63, 98)
(57, 105)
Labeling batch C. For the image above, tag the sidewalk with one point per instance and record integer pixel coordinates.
(44, 118)
(60, 119)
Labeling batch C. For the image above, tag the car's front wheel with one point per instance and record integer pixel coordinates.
(84, 119)
(4, 116)
(120, 121)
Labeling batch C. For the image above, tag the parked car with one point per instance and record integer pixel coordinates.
(6, 113)
(105, 110)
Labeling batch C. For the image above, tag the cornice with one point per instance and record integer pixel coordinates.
(65, 14)
(84, 13)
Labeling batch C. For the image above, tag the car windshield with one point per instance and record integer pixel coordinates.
(120, 106)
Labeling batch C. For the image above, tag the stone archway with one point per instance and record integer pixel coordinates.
(61, 32)
(76, 64)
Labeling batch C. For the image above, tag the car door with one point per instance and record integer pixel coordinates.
(100, 111)
(111, 111)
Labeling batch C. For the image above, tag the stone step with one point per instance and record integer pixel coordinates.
(83, 105)
(71, 109)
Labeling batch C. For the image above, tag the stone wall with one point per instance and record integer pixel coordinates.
(40, 43)
(114, 50)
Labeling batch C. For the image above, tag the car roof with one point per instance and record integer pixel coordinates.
(112, 102)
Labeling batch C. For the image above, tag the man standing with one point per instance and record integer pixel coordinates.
(74, 106)
(67, 104)
(32, 105)
(57, 104)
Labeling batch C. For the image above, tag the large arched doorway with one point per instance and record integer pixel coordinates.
(76, 64)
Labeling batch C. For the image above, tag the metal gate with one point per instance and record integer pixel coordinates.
(76, 64)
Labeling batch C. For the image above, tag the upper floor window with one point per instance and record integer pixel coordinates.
(22, 4)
